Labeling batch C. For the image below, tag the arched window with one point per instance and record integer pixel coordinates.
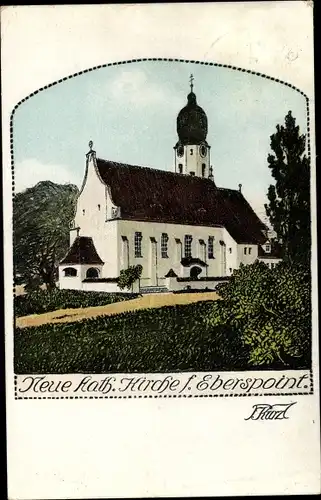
(70, 272)
(180, 168)
(92, 272)
(203, 169)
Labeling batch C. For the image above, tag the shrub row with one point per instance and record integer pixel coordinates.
(44, 301)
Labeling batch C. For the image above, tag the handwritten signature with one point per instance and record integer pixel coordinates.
(264, 411)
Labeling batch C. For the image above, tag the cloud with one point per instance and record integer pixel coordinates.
(30, 171)
(134, 87)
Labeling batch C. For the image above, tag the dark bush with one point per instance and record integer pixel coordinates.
(42, 301)
(271, 311)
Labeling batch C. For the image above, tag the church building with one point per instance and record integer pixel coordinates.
(184, 230)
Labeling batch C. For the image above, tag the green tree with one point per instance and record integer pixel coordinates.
(41, 221)
(271, 311)
(128, 276)
(289, 198)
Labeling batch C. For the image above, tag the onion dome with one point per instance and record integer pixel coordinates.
(192, 121)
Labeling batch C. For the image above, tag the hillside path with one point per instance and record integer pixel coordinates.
(145, 302)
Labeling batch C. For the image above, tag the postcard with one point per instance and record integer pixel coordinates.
(160, 250)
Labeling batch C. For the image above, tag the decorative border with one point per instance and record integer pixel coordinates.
(162, 59)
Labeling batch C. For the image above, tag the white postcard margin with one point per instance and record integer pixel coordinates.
(154, 447)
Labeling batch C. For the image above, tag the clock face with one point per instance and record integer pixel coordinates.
(180, 151)
(203, 150)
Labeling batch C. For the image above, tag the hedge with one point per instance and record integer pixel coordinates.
(168, 339)
(43, 301)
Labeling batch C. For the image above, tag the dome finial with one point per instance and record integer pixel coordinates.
(191, 80)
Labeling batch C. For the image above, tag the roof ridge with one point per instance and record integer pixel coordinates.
(169, 172)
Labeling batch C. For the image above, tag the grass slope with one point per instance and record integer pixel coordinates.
(146, 301)
(168, 339)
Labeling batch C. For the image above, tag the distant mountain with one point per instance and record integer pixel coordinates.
(41, 221)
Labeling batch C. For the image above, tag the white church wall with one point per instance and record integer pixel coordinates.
(94, 218)
(73, 233)
(271, 262)
(231, 253)
(91, 211)
(173, 285)
(102, 286)
(247, 253)
(75, 282)
(70, 282)
(175, 250)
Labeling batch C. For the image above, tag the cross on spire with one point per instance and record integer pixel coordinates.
(191, 80)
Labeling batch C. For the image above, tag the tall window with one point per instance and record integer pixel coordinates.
(188, 245)
(250, 250)
(210, 247)
(203, 169)
(164, 246)
(191, 151)
(180, 168)
(245, 250)
(138, 244)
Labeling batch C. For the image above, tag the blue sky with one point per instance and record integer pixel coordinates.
(130, 110)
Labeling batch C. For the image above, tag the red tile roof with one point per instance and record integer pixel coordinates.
(148, 194)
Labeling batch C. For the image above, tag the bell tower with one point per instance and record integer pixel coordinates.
(192, 152)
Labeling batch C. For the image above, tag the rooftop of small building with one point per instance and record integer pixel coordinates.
(82, 251)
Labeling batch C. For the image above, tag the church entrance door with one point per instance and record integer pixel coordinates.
(195, 271)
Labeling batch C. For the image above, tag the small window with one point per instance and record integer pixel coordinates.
(245, 250)
(188, 245)
(230, 269)
(210, 247)
(191, 152)
(192, 173)
(250, 250)
(164, 246)
(70, 272)
(92, 272)
(84, 211)
(138, 244)
(203, 169)
(98, 206)
(230, 250)
(268, 248)
(180, 168)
